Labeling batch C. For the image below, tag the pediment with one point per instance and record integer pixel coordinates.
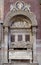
(20, 8)
(20, 5)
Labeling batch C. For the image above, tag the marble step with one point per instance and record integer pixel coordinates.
(20, 64)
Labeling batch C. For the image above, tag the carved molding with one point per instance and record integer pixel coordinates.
(34, 30)
(20, 8)
(6, 30)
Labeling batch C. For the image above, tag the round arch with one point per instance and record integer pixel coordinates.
(12, 13)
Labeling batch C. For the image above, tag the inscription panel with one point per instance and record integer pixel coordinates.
(20, 54)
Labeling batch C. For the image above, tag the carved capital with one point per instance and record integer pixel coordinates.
(34, 30)
(6, 30)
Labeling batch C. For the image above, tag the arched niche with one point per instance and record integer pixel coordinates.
(21, 16)
(20, 21)
(20, 25)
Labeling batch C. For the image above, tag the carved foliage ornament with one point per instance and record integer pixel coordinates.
(20, 6)
(21, 24)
